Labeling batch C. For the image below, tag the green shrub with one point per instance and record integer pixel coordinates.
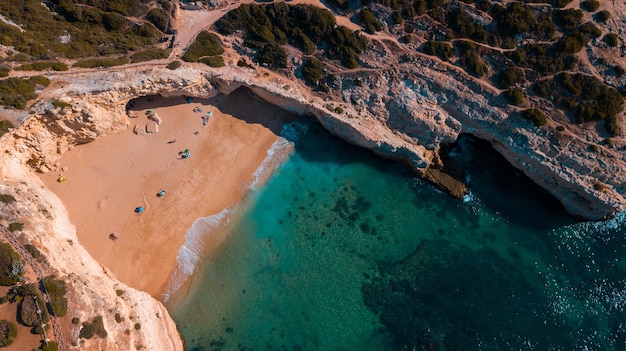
(537, 117)
(33, 251)
(206, 44)
(515, 96)
(8, 332)
(96, 327)
(6, 198)
(160, 19)
(611, 39)
(213, 61)
(51, 346)
(149, 55)
(619, 70)
(101, 62)
(60, 104)
(11, 266)
(4, 71)
(312, 70)
(510, 76)
(273, 55)
(568, 19)
(590, 5)
(438, 48)
(119, 318)
(137, 326)
(370, 22)
(75, 320)
(267, 27)
(16, 226)
(173, 65)
(603, 15)
(599, 186)
(17, 92)
(56, 292)
(42, 65)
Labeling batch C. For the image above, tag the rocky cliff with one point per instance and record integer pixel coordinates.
(394, 112)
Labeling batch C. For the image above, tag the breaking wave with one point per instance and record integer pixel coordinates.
(278, 152)
(195, 242)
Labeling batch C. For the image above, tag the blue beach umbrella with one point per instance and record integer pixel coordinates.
(139, 209)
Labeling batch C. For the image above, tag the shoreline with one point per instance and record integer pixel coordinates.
(108, 178)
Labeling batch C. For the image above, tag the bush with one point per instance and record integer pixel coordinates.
(102, 62)
(603, 15)
(56, 292)
(510, 76)
(51, 346)
(619, 70)
(568, 19)
(273, 55)
(33, 251)
(537, 117)
(11, 266)
(60, 104)
(16, 226)
(17, 92)
(312, 70)
(213, 61)
(96, 327)
(8, 332)
(119, 318)
(206, 44)
(6, 198)
(160, 19)
(370, 22)
(149, 55)
(514, 96)
(173, 65)
(438, 48)
(612, 126)
(611, 40)
(75, 320)
(590, 5)
(40, 66)
(4, 71)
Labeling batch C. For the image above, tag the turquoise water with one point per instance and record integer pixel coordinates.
(344, 251)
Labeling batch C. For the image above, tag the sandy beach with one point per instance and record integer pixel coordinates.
(110, 177)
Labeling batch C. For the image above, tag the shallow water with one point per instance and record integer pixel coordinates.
(344, 251)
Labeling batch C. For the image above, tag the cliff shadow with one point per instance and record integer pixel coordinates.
(503, 188)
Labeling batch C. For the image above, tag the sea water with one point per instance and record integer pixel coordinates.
(341, 250)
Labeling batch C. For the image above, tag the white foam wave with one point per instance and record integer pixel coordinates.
(276, 155)
(278, 152)
(189, 254)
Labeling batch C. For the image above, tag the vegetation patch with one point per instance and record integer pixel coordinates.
(33, 251)
(69, 28)
(60, 104)
(6, 198)
(56, 292)
(213, 61)
(206, 44)
(101, 62)
(514, 96)
(268, 27)
(312, 70)
(15, 227)
(96, 327)
(370, 22)
(149, 55)
(160, 18)
(440, 49)
(8, 332)
(173, 65)
(16, 92)
(537, 117)
(40, 66)
(11, 266)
